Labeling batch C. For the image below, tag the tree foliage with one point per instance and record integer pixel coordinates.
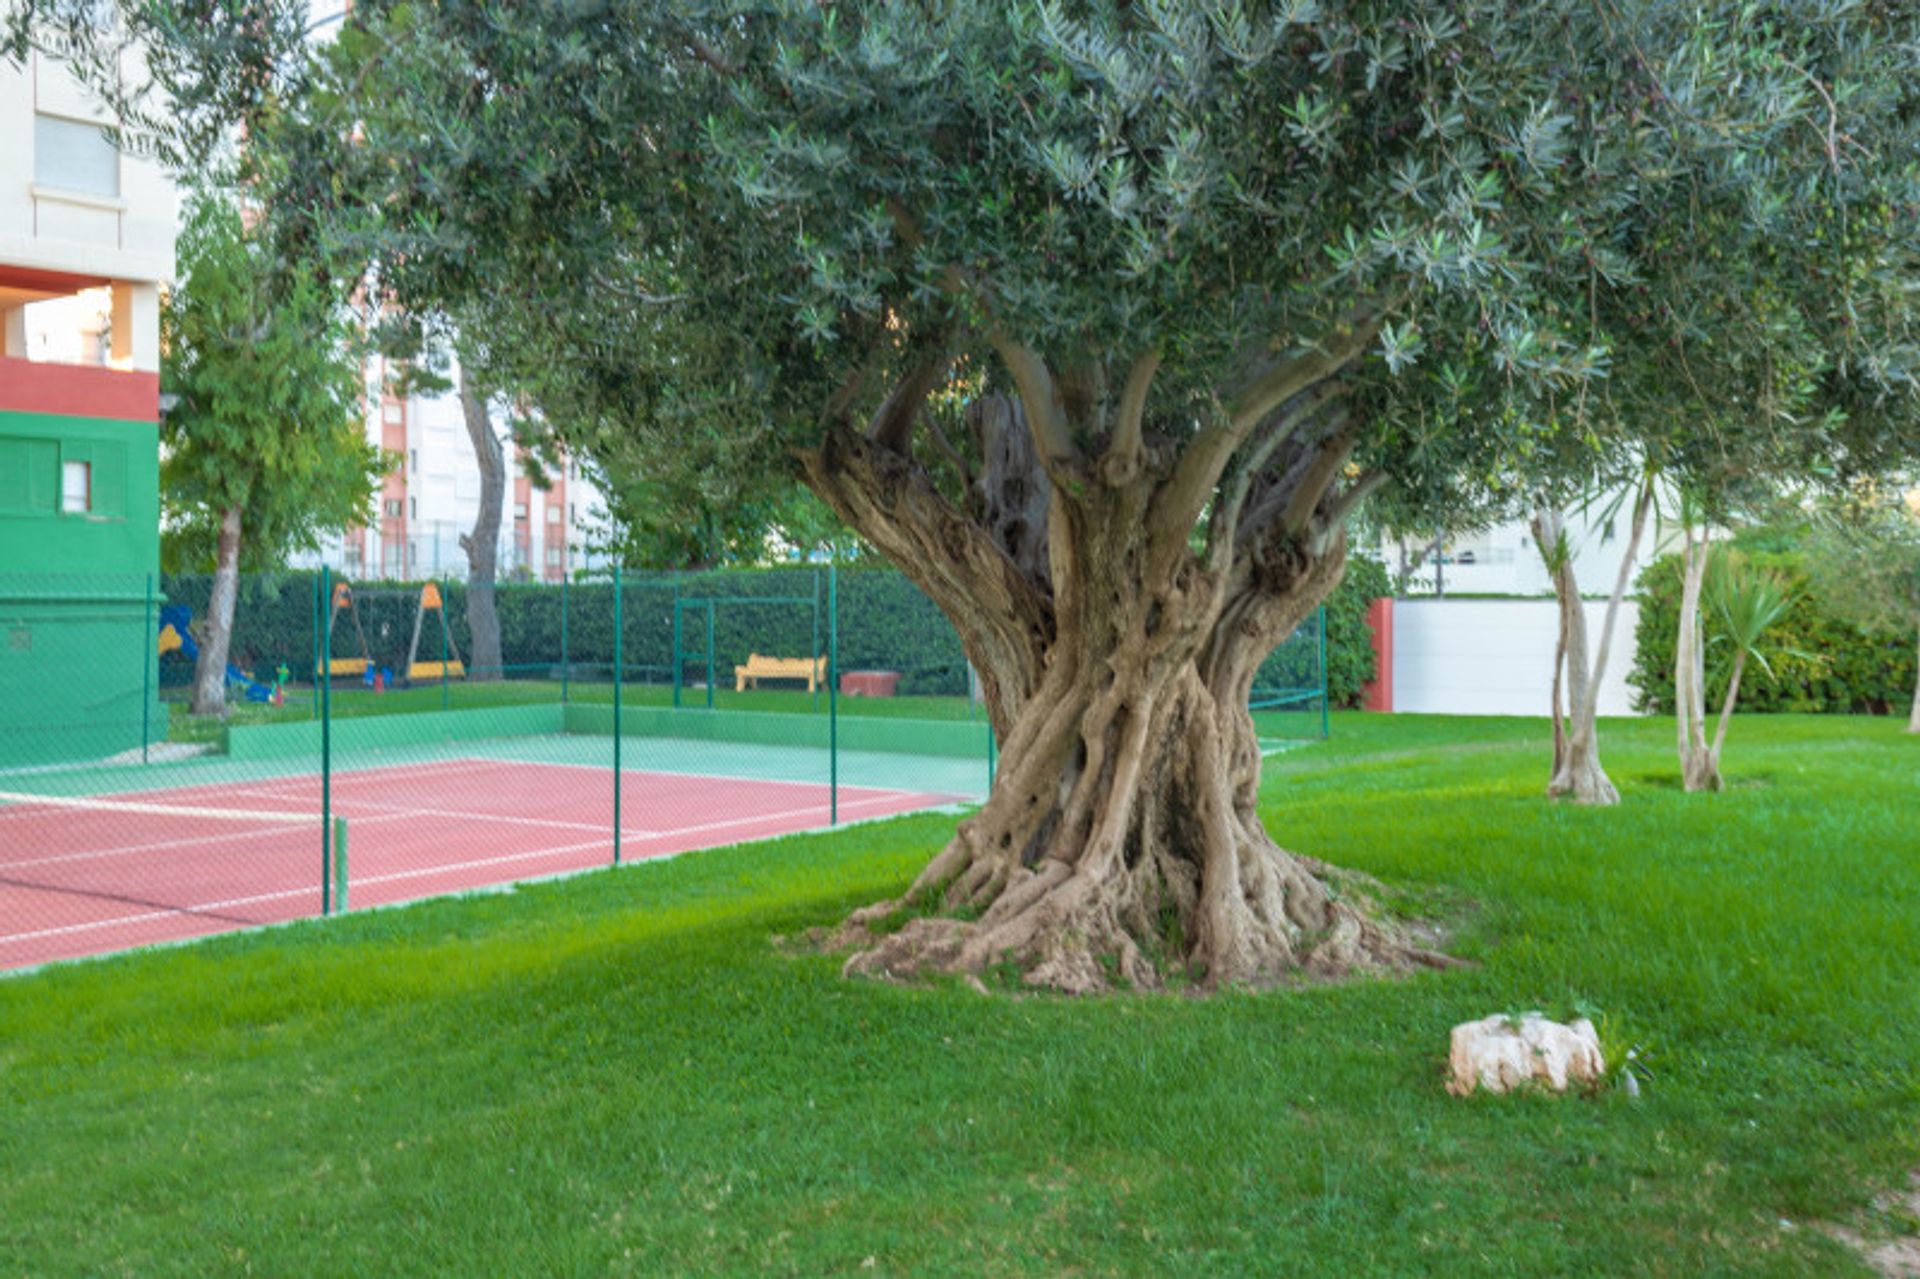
(268, 414)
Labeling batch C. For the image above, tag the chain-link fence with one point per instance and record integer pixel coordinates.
(368, 751)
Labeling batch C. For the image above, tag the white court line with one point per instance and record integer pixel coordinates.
(819, 809)
(120, 920)
(730, 778)
(185, 841)
(467, 816)
(465, 764)
(353, 882)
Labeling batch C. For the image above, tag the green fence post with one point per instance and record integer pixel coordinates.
(566, 663)
(1326, 726)
(833, 694)
(339, 864)
(326, 754)
(676, 639)
(815, 654)
(709, 654)
(313, 701)
(616, 709)
(149, 657)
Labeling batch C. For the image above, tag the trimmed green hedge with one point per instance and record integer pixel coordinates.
(1820, 663)
(885, 624)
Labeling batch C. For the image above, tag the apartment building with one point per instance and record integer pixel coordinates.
(432, 497)
(86, 240)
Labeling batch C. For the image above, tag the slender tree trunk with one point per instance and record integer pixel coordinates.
(1120, 843)
(1913, 717)
(1699, 767)
(1726, 713)
(482, 545)
(210, 673)
(1577, 771)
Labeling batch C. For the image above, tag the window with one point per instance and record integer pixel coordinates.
(415, 455)
(393, 508)
(393, 411)
(553, 514)
(553, 556)
(73, 155)
(413, 508)
(76, 487)
(519, 510)
(573, 512)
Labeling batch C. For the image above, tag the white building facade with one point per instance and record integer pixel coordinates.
(432, 497)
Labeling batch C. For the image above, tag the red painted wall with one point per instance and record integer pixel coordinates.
(78, 390)
(1378, 693)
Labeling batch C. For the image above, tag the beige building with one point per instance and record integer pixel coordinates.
(86, 233)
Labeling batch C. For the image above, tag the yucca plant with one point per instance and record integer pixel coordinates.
(1746, 600)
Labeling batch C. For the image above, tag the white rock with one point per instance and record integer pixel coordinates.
(1499, 1054)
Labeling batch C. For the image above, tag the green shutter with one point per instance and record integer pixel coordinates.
(30, 477)
(110, 480)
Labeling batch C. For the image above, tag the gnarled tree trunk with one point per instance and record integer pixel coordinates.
(1120, 843)
(483, 544)
(1699, 762)
(210, 672)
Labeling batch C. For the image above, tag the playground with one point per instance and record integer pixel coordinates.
(177, 636)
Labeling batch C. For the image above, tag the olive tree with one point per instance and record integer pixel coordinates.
(1101, 321)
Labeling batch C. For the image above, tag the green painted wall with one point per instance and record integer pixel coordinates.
(77, 646)
(375, 732)
(954, 739)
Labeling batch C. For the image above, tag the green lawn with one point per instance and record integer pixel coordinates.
(619, 1074)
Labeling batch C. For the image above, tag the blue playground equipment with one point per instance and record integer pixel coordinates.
(176, 637)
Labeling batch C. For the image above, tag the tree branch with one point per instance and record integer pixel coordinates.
(1319, 477)
(1269, 387)
(1123, 450)
(1292, 417)
(1287, 374)
(892, 423)
(1040, 397)
(1343, 506)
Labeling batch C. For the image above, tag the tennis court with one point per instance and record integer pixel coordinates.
(83, 875)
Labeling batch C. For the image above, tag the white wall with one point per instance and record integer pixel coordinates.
(1504, 560)
(1495, 657)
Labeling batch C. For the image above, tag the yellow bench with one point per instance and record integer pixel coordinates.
(759, 668)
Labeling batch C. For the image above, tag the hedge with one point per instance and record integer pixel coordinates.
(1820, 663)
(885, 624)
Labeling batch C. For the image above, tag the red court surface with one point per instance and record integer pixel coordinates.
(80, 879)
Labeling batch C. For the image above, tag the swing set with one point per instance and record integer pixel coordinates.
(444, 668)
(449, 665)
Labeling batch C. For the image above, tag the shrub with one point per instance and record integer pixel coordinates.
(1820, 662)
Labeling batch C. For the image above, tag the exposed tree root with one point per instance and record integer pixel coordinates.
(1286, 919)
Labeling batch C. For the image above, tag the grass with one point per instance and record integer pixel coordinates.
(620, 1074)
